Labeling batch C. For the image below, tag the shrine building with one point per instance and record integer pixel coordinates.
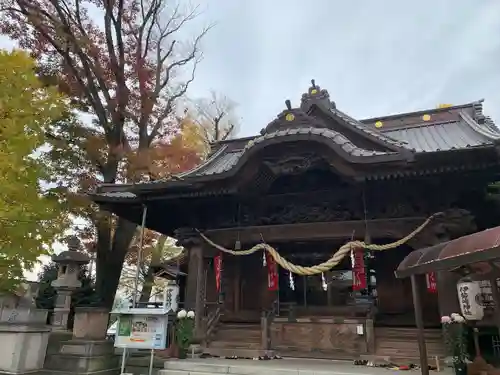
(314, 179)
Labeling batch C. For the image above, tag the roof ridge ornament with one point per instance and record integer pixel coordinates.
(316, 95)
(292, 118)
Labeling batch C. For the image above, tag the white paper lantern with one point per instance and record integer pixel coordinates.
(470, 297)
(171, 298)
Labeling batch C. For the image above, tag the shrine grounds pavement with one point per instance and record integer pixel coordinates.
(286, 366)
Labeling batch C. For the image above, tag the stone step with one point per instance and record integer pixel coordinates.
(405, 333)
(240, 331)
(241, 326)
(218, 343)
(274, 367)
(237, 336)
(399, 359)
(237, 352)
(409, 346)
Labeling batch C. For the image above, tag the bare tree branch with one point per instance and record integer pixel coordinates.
(217, 116)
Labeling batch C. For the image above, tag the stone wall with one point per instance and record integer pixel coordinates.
(23, 333)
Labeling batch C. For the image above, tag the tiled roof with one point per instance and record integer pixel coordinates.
(360, 126)
(223, 160)
(321, 98)
(421, 138)
(401, 136)
(440, 137)
(337, 138)
(223, 163)
(220, 161)
(119, 194)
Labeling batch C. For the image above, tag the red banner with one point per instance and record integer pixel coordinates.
(218, 270)
(431, 282)
(358, 270)
(272, 273)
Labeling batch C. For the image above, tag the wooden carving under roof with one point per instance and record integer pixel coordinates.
(318, 137)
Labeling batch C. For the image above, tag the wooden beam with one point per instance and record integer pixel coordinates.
(343, 230)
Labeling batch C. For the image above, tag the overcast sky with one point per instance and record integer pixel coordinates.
(374, 57)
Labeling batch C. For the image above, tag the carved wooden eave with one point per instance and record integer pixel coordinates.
(453, 139)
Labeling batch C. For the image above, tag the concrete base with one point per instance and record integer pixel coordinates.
(398, 360)
(274, 367)
(83, 357)
(237, 352)
(23, 347)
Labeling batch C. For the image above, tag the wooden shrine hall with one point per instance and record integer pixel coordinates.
(312, 181)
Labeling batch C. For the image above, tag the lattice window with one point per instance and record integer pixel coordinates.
(495, 344)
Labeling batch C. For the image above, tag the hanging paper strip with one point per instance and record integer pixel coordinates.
(272, 273)
(431, 282)
(358, 270)
(218, 270)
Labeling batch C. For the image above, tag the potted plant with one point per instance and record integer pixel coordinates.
(184, 329)
(455, 331)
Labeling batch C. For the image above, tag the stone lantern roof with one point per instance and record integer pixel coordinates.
(73, 255)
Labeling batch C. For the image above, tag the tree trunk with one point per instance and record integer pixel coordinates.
(149, 279)
(110, 258)
(147, 287)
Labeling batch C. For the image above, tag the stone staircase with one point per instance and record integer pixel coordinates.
(400, 345)
(273, 367)
(236, 339)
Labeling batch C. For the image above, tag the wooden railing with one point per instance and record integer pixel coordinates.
(265, 324)
(213, 311)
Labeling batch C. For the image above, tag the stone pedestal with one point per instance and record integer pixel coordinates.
(84, 357)
(24, 337)
(23, 348)
(88, 352)
(62, 309)
(91, 323)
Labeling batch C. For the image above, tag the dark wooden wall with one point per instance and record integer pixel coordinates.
(395, 303)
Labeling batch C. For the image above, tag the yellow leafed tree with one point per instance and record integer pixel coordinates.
(30, 219)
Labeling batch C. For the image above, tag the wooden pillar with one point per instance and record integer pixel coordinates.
(370, 336)
(194, 298)
(237, 285)
(447, 292)
(417, 305)
(496, 301)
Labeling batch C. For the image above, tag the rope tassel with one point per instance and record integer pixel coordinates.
(329, 264)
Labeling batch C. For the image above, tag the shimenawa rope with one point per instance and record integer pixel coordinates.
(330, 263)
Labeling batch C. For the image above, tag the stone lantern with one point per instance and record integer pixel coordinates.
(69, 263)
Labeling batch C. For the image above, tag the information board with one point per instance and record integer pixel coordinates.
(141, 331)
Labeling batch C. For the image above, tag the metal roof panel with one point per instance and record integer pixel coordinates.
(440, 137)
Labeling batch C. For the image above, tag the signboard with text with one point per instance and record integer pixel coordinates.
(141, 331)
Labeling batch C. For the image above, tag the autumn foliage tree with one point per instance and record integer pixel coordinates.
(216, 115)
(30, 218)
(123, 64)
(157, 249)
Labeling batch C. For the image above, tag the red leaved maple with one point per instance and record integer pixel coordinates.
(121, 62)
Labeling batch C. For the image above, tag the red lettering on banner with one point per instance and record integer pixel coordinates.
(218, 270)
(358, 270)
(272, 273)
(431, 282)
